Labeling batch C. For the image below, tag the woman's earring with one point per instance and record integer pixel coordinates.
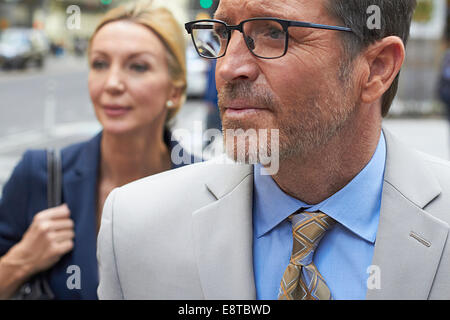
(169, 104)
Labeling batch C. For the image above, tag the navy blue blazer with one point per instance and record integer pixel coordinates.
(25, 194)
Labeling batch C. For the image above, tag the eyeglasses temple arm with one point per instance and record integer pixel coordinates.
(318, 26)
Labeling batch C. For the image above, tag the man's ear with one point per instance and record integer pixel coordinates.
(384, 60)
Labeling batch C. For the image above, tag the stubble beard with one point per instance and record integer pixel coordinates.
(323, 116)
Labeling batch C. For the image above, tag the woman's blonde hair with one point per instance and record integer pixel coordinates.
(162, 22)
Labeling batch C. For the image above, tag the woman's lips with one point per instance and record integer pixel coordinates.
(116, 111)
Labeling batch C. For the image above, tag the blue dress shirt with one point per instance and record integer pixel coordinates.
(345, 252)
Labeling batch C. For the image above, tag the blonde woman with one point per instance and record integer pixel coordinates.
(137, 83)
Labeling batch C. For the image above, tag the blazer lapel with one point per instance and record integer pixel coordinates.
(81, 182)
(223, 235)
(409, 241)
(80, 194)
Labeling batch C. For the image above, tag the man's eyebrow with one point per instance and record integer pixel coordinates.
(259, 13)
(222, 17)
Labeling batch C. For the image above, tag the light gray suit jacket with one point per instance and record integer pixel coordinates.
(187, 233)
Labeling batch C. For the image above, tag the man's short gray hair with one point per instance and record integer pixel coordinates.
(396, 16)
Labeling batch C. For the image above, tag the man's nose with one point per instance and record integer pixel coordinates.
(238, 63)
(115, 83)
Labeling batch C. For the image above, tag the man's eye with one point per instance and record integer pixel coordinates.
(139, 67)
(99, 64)
(275, 33)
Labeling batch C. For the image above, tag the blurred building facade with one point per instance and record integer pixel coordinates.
(417, 94)
(18, 13)
(57, 17)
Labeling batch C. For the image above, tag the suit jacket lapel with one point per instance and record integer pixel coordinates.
(223, 235)
(80, 184)
(80, 194)
(409, 240)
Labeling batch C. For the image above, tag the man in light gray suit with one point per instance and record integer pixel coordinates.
(350, 212)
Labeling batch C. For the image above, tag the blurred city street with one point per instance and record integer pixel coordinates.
(52, 108)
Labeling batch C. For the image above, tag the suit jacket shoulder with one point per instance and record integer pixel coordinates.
(217, 176)
(152, 234)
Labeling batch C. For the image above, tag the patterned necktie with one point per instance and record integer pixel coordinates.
(302, 280)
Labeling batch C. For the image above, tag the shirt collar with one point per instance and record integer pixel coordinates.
(271, 205)
(356, 206)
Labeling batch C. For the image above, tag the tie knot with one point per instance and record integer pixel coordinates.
(308, 229)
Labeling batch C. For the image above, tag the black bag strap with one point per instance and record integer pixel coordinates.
(54, 180)
(38, 288)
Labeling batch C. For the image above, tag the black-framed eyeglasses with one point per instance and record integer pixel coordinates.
(266, 38)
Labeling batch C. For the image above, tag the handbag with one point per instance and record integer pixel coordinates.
(38, 288)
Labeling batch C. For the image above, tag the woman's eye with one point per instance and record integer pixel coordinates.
(99, 65)
(139, 67)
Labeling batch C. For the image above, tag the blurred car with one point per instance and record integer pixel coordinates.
(20, 47)
(197, 73)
